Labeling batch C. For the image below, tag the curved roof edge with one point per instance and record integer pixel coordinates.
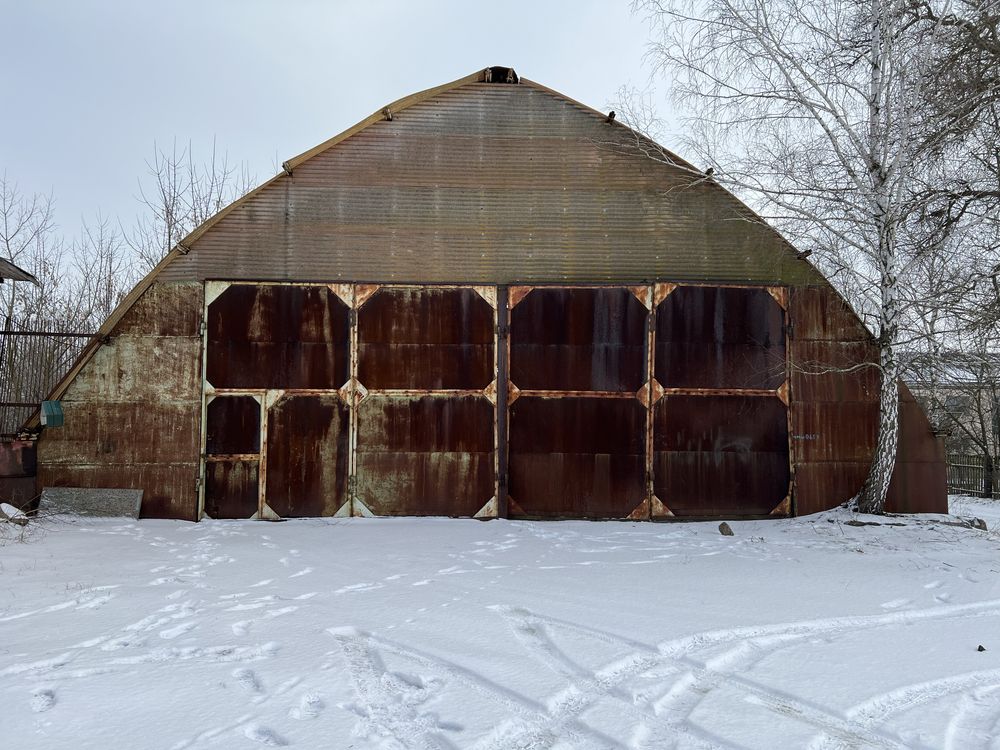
(183, 247)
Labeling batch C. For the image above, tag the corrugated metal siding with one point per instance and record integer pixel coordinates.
(134, 410)
(490, 183)
(834, 412)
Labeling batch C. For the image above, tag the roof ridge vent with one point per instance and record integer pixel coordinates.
(500, 74)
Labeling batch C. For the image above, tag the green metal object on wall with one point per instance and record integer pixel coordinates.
(52, 414)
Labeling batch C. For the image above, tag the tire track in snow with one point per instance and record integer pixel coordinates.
(975, 723)
(755, 643)
(878, 708)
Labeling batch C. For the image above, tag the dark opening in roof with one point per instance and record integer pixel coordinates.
(500, 74)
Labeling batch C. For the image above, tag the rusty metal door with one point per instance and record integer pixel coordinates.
(276, 437)
(425, 416)
(577, 424)
(719, 402)
(639, 402)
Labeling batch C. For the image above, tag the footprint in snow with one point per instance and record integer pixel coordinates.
(263, 735)
(896, 603)
(247, 680)
(310, 706)
(178, 630)
(42, 700)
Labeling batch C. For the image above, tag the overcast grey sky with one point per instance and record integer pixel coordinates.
(89, 85)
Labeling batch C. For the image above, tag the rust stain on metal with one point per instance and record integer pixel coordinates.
(578, 339)
(780, 295)
(233, 425)
(364, 292)
(721, 455)
(644, 294)
(640, 512)
(488, 293)
(577, 457)
(425, 454)
(231, 489)
(277, 336)
(720, 337)
(661, 291)
(490, 392)
(783, 509)
(426, 338)
(782, 393)
(650, 393)
(345, 292)
(658, 509)
(513, 393)
(307, 455)
(518, 293)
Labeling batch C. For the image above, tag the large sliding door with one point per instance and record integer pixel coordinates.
(648, 401)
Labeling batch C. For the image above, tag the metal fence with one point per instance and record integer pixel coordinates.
(31, 363)
(968, 475)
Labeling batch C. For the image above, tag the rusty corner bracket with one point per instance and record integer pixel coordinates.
(352, 386)
(363, 293)
(640, 512)
(488, 293)
(513, 507)
(658, 509)
(650, 393)
(780, 295)
(344, 511)
(518, 293)
(783, 509)
(344, 292)
(662, 291)
(488, 511)
(360, 510)
(265, 514)
(643, 294)
(490, 392)
(512, 393)
(782, 393)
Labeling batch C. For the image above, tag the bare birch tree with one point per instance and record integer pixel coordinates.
(178, 193)
(816, 112)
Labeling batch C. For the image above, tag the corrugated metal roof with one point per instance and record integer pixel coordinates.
(479, 182)
(488, 183)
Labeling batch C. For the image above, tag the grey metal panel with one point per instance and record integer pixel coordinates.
(490, 184)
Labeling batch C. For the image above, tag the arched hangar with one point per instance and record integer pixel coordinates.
(484, 300)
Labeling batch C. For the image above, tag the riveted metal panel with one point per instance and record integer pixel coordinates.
(231, 489)
(720, 455)
(576, 457)
(233, 425)
(277, 336)
(307, 455)
(425, 339)
(720, 337)
(425, 454)
(581, 339)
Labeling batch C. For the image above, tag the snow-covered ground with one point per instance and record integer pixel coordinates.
(434, 633)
